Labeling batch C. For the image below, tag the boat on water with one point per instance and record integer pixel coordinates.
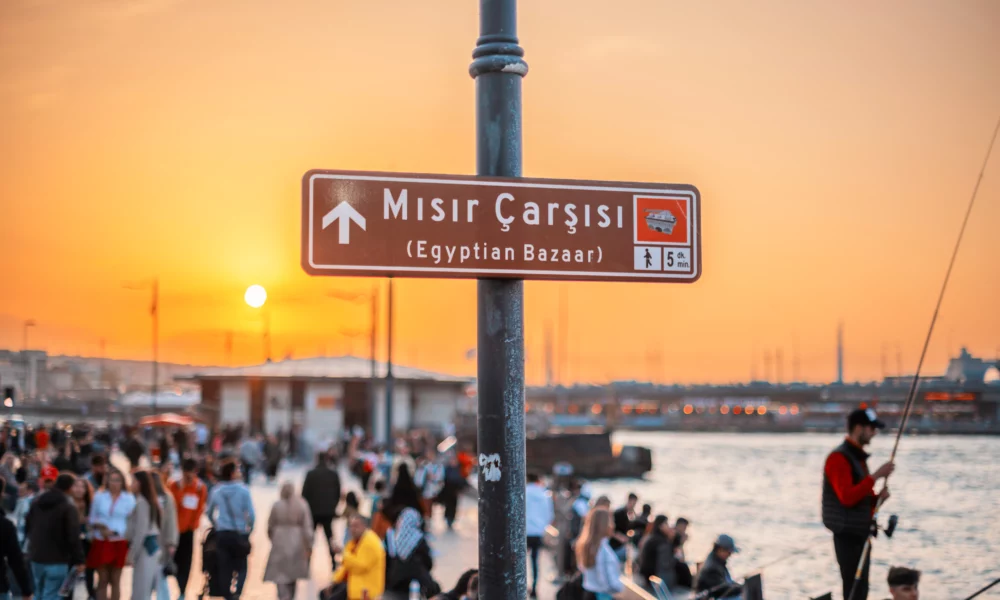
(590, 454)
(586, 452)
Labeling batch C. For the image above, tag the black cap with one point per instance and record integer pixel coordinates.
(864, 416)
(903, 576)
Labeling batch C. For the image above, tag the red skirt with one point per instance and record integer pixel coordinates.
(105, 553)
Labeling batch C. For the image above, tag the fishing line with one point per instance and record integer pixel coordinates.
(911, 395)
(995, 581)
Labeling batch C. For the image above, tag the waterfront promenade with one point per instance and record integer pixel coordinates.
(455, 551)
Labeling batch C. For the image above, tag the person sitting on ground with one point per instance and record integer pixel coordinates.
(656, 559)
(473, 592)
(641, 523)
(623, 518)
(461, 589)
(684, 577)
(362, 570)
(903, 583)
(409, 556)
(595, 558)
(714, 578)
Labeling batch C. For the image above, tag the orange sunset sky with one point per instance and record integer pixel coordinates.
(835, 145)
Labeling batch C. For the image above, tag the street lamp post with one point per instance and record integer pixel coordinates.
(28, 369)
(372, 298)
(154, 311)
(256, 297)
(28, 323)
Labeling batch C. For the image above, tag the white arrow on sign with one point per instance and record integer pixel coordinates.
(345, 213)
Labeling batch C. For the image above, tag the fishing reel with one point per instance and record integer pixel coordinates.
(889, 528)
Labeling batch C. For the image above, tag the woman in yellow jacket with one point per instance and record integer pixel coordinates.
(363, 568)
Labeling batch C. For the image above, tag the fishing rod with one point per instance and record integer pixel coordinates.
(792, 554)
(757, 571)
(911, 395)
(995, 581)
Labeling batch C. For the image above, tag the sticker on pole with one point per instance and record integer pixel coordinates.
(406, 225)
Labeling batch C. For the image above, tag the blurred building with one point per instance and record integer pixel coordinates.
(325, 396)
(966, 399)
(23, 375)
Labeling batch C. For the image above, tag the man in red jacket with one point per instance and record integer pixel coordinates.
(849, 497)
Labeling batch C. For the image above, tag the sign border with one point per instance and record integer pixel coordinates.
(684, 190)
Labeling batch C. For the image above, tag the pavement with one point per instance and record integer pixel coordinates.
(455, 551)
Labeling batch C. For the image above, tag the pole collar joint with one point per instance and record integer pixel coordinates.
(498, 53)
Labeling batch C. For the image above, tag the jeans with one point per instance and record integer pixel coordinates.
(15, 589)
(534, 546)
(849, 549)
(162, 587)
(231, 561)
(48, 580)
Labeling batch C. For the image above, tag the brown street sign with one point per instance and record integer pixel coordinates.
(403, 225)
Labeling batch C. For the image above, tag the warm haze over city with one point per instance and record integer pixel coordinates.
(835, 151)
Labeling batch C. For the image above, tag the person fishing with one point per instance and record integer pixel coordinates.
(904, 583)
(849, 497)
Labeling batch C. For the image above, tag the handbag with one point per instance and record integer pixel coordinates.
(242, 539)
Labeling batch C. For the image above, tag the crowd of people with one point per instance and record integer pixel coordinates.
(69, 515)
(76, 517)
(596, 545)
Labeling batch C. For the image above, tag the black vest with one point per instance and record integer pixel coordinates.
(850, 520)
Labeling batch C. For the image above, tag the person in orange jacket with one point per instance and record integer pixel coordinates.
(191, 495)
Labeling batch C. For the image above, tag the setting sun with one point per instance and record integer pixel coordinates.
(255, 296)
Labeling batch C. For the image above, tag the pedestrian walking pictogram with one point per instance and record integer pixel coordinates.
(648, 258)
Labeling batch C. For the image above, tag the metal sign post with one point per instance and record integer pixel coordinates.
(501, 229)
(498, 67)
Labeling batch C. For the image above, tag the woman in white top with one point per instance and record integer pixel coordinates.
(109, 513)
(595, 558)
(144, 544)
